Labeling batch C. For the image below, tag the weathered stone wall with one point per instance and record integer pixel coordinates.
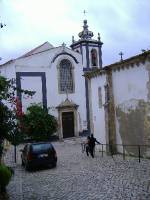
(132, 106)
(124, 118)
(134, 124)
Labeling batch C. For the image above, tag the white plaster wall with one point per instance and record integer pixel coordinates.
(42, 62)
(84, 56)
(44, 47)
(98, 113)
(8, 70)
(32, 84)
(54, 98)
(129, 84)
(42, 59)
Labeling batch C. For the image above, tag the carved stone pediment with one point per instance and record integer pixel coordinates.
(67, 104)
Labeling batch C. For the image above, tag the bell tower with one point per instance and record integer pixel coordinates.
(91, 52)
(89, 48)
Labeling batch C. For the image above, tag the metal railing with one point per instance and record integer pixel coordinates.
(126, 150)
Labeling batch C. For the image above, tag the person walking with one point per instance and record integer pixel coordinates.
(92, 142)
(87, 147)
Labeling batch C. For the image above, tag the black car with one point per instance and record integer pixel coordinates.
(38, 154)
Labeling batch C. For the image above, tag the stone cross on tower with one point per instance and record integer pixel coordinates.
(63, 45)
(121, 54)
(84, 13)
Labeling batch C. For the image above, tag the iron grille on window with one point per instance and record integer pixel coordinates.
(66, 77)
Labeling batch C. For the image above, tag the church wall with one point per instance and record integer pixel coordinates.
(42, 59)
(131, 93)
(85, 62)
(78, 97)
(98, 113)
(34, 66)
(44, 63)
(8, 70)
(132, 106)
(44, 47)
(33, 84)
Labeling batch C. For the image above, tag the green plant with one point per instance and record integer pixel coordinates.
(10, 112)
(38, 124)
(5, 176)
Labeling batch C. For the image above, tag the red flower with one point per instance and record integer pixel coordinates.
(18, 107)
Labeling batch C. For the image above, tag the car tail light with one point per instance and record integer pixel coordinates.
(29, 156)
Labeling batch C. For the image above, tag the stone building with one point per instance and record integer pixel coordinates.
(56, 74)
(119, 96)
(113, 102)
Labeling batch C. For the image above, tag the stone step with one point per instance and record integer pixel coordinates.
(74, 140)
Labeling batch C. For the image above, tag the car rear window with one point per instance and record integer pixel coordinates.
(41, 147)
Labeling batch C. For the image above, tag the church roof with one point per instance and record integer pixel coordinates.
(39, 49)
(43, 47)
(46, 46)
(8, 62)
(140, 58)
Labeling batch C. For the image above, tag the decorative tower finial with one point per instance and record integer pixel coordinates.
(85, 34)
(73, 39)
(99, 38)
(121, 54)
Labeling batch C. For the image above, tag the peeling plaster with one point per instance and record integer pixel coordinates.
(134, 124)
(148, 83)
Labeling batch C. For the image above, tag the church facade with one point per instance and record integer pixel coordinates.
(56, 75)
(112, 102)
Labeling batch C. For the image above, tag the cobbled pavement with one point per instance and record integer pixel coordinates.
(78, 177)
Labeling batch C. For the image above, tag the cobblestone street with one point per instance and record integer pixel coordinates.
(78, 177)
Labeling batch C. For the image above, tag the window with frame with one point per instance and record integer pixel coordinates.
(99, 97)
(66, 76)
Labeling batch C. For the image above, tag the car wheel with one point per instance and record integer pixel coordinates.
(54, 165)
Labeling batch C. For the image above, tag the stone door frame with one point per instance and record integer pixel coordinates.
(70, 107)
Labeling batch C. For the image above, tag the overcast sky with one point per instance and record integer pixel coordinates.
(124, 25)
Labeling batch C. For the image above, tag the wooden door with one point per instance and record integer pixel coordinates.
(68, 124)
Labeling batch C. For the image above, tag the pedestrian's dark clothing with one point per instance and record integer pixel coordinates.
(87, 147)
(92, 145)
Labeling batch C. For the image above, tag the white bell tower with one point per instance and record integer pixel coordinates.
(90, 49)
